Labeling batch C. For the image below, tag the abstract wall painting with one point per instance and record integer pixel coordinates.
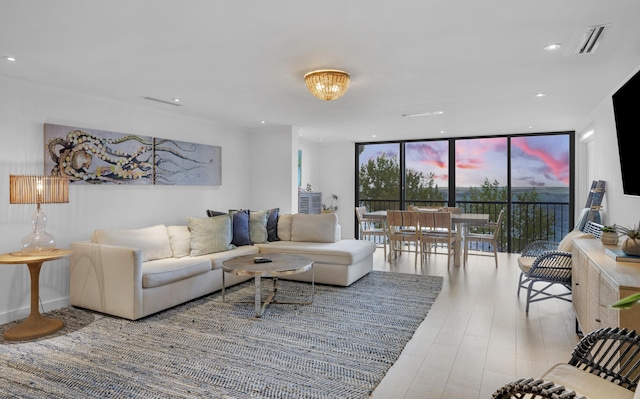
(88, 156)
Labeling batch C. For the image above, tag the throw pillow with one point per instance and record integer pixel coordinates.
(284, 226)
(209, 235)
(241, 228)
(153, 241)
(258, 226)
(180, 239)
(314, 228)
(211, 213)
(566, 245)
(272, 225)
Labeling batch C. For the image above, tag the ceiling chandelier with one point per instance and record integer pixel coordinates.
(327, 84)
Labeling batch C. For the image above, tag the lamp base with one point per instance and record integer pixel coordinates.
(38, 242)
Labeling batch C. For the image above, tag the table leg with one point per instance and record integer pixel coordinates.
(457, 246)
(35, 325)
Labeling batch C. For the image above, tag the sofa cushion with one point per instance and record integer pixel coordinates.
(314, 228)
(343, 252)
(587, 384)
(209, 235)
(180, 240)
(153, 241)
(284, 226)
(258, 226)
(240, 225)
(166, 271)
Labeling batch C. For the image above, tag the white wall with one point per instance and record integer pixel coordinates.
(617, 207)
(273, 159)
(25, 108)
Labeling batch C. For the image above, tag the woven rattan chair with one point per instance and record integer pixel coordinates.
(605, 364)
(534, 389)
(549, 263)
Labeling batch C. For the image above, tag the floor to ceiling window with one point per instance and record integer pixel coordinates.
(529, 176)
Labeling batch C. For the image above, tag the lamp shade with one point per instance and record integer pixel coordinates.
(38, 189)
(327, 84)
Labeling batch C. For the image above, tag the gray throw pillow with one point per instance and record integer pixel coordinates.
(211, 234)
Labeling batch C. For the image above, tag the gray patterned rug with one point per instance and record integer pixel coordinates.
(340, 346)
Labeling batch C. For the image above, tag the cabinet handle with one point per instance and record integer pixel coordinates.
(577, 284)
(599, 321)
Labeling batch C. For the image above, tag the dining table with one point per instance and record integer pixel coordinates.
(460, 220)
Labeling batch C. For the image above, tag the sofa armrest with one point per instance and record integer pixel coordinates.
(106, 278)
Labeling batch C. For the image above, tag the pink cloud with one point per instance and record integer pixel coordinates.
(555, 166)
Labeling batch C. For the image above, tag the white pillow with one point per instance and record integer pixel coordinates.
(153, 241)
(284, 226)
(566, 245)
(180, 239)
(211, 234)
(314, 228)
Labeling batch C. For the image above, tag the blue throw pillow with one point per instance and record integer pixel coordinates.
(241, 228)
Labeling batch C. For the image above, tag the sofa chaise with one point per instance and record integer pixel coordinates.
(137, 272)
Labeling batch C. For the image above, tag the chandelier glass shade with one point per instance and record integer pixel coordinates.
(38, 190)
(327, 84)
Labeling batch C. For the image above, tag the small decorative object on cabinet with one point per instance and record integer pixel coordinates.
(609, 235)
(333, 204)
(631, 245)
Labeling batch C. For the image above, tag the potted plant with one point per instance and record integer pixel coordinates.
(333, 204)
(631, 245)
(609, 235)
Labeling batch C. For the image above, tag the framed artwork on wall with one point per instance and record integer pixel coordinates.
(88, 156)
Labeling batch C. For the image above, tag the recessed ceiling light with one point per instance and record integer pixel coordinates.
(263, 122)
(374, 136)
(540, 94)
(441, 131)
(9, 58)
(552, 46)
(176, 100)
(424, 114)
(530, 127)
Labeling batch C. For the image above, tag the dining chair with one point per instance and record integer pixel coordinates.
(489, 234)
(437, 231)
(369, 231)
(402, 227)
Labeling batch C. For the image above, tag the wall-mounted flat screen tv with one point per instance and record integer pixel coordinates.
(626, 108)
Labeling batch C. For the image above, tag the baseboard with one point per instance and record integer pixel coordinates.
(21, 313)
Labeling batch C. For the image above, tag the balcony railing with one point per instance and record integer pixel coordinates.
(523, 222)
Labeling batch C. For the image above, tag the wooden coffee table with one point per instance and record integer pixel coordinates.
(280, 265)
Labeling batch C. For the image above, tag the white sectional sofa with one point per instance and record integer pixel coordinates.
(137, 272)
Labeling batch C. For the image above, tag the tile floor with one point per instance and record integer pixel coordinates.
(477, 336)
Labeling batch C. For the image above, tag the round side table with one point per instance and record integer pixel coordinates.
(35, 325)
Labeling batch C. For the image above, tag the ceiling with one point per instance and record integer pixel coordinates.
(238, 63)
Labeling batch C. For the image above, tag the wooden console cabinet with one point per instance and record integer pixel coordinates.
(599, 281)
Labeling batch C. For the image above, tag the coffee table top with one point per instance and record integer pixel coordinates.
(280, 265)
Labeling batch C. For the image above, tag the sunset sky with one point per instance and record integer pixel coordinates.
(537, 161)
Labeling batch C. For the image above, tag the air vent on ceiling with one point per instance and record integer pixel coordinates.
(162, 101)
(591, 39)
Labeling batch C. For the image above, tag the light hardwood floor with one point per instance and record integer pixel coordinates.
(477, 336)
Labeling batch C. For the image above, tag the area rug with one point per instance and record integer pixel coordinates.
(340, 346)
